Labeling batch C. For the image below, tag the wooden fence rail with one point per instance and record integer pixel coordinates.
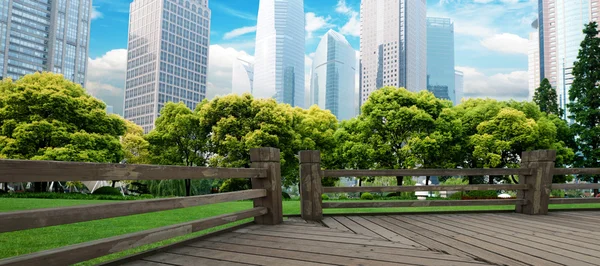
(266, 194)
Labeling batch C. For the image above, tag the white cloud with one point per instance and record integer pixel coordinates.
(506, 43)
(352, 26)
(502, 86)
(220, 69)
(96, 14)
(342, 7)
(106, 78)
(239, 32)
(315, 23)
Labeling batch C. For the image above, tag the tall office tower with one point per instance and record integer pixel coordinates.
(534, 60)
(393, 45)
(279, 52)
(44, 35)
(167, 57)
(440, 58)
(333, 76)
(459, 88)
(242, 77)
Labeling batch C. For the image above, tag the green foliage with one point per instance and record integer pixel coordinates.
(546, 98)
(366, 196)
(455, 181)
(135, 146)
(166, 188)
(557, 193)
(73, 196)
(285, 195)
(585, 101)
(481, 194)
(110, 191)
(324, 197)
(235, 184)
(343, 196)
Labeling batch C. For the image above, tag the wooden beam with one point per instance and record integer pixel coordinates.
(269, 159)
(576, 171)
(427, 172)
(47, 171)
(420, 203)
(576, 186)
(21, 220)
(575, 201)
(85, 251)
(310, 186)
(424, 188)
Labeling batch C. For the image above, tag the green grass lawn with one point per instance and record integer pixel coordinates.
(28, 241)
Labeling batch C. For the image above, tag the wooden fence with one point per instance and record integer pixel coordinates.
(533, 190)
(266, 194)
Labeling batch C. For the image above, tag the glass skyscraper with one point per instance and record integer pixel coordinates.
(534, 60)
(459, 87)
(279, 52)
(167, 57)
(44, 35)
(393, 45)
(333, 76)
(440, 58)
(242, 78)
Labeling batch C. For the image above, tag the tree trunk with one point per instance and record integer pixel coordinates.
(470, 180)
(427, 178)
(513, 179)
(400, 180)
(114, 183)
(596, 191)
(188, 187)
(491, 180)
(39, 187)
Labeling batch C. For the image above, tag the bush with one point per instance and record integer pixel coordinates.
(324, 197)
(456, 196)
(285, 195)
(109, 191)
(481, 194)
(557, 193)
(366, 196)
(146, 196)
(343, 197)
(235, 184)
(455, 181)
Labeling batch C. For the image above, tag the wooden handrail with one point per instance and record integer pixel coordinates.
(89, 250)
(422, 203)
(429, 172)
(576, 171)
(48, 171)
(574, 201)
(576, 186)
(22, 220)
(425, 188)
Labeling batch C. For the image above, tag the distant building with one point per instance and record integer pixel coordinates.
(279, 53)
(242, 78)
(393, 45)
(167, 57)
(534, 60)
(51, 36)
(110, 109)
(333, 76)
(440, 58)
(459, 88)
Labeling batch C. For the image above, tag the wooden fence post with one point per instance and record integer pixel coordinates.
(310, 186)
(537, 197)
(268, 158)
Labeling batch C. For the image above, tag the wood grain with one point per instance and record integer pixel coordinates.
(576, 171)
(420, 203)
(427, 172)
(576, 186)
(424, 188)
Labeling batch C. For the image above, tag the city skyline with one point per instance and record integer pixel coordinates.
(440, 57)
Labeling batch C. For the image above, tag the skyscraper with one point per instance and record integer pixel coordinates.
(46, 35)
(393, 45)
(440, 58)
(242, 78)
(279, 52)
(167, 57)
(333, 76)
(459, 88)
(534, 60)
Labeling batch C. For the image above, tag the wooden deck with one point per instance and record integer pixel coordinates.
(561, 238)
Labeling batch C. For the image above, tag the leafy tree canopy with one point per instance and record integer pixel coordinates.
(546, 98)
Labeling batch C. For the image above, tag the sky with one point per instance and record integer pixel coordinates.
(490, 42)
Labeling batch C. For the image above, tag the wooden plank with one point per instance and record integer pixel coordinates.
(89, 250)
(356, 227)
(21, 220)
(269, 159)
(310, 185)
(177, 259)
(382, 231)
(424, 188)
(575, 201)
(48, 171)
(428, 172)
(563, 225)
(522, 219)
(145, 263)
(576, 186)
(576, 171)
(332, 223)
(238, 257)
(420, 203)
(308, 231)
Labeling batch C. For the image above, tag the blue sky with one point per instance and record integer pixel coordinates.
(490, 41)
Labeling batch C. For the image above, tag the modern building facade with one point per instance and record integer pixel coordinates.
(167, 57)
(440, 58)
(534, 60)
(279, 51)
(393, 45)
(332, 84)
(44, 35)
(242, 78)
(459, 86)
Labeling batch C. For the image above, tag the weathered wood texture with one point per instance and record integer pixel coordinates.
(269, 159)
(47, 171)
(424, 188)
(575, 201)
(540, 182)
(89, 250)
(576, 186)
(576, 171)
(21, 220)
(421, 203)
(310, 185)
(427, 172)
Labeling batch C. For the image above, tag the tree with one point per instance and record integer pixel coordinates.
(546, 98)
(135, 146)
(43, 116)
(584, 106)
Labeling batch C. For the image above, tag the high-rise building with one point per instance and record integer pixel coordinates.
(459, 86)
(242, 78)
(333, 76)
(534, 60)
(44, 35)
(440, 58)
(279, 51)
(393, 45)
(167, 57)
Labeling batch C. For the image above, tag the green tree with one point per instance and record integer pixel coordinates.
(135, 146)
(584, 95)
(546, 98)
(43, 116)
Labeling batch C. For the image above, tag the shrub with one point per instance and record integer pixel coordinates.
(285, 195)
(455, 181)
(343, 197)
(324, 197)
(110, 191)
(481, 194)
(366, 196)
(146, 196)
(557, 193)
(235, 184)
(456, 196)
